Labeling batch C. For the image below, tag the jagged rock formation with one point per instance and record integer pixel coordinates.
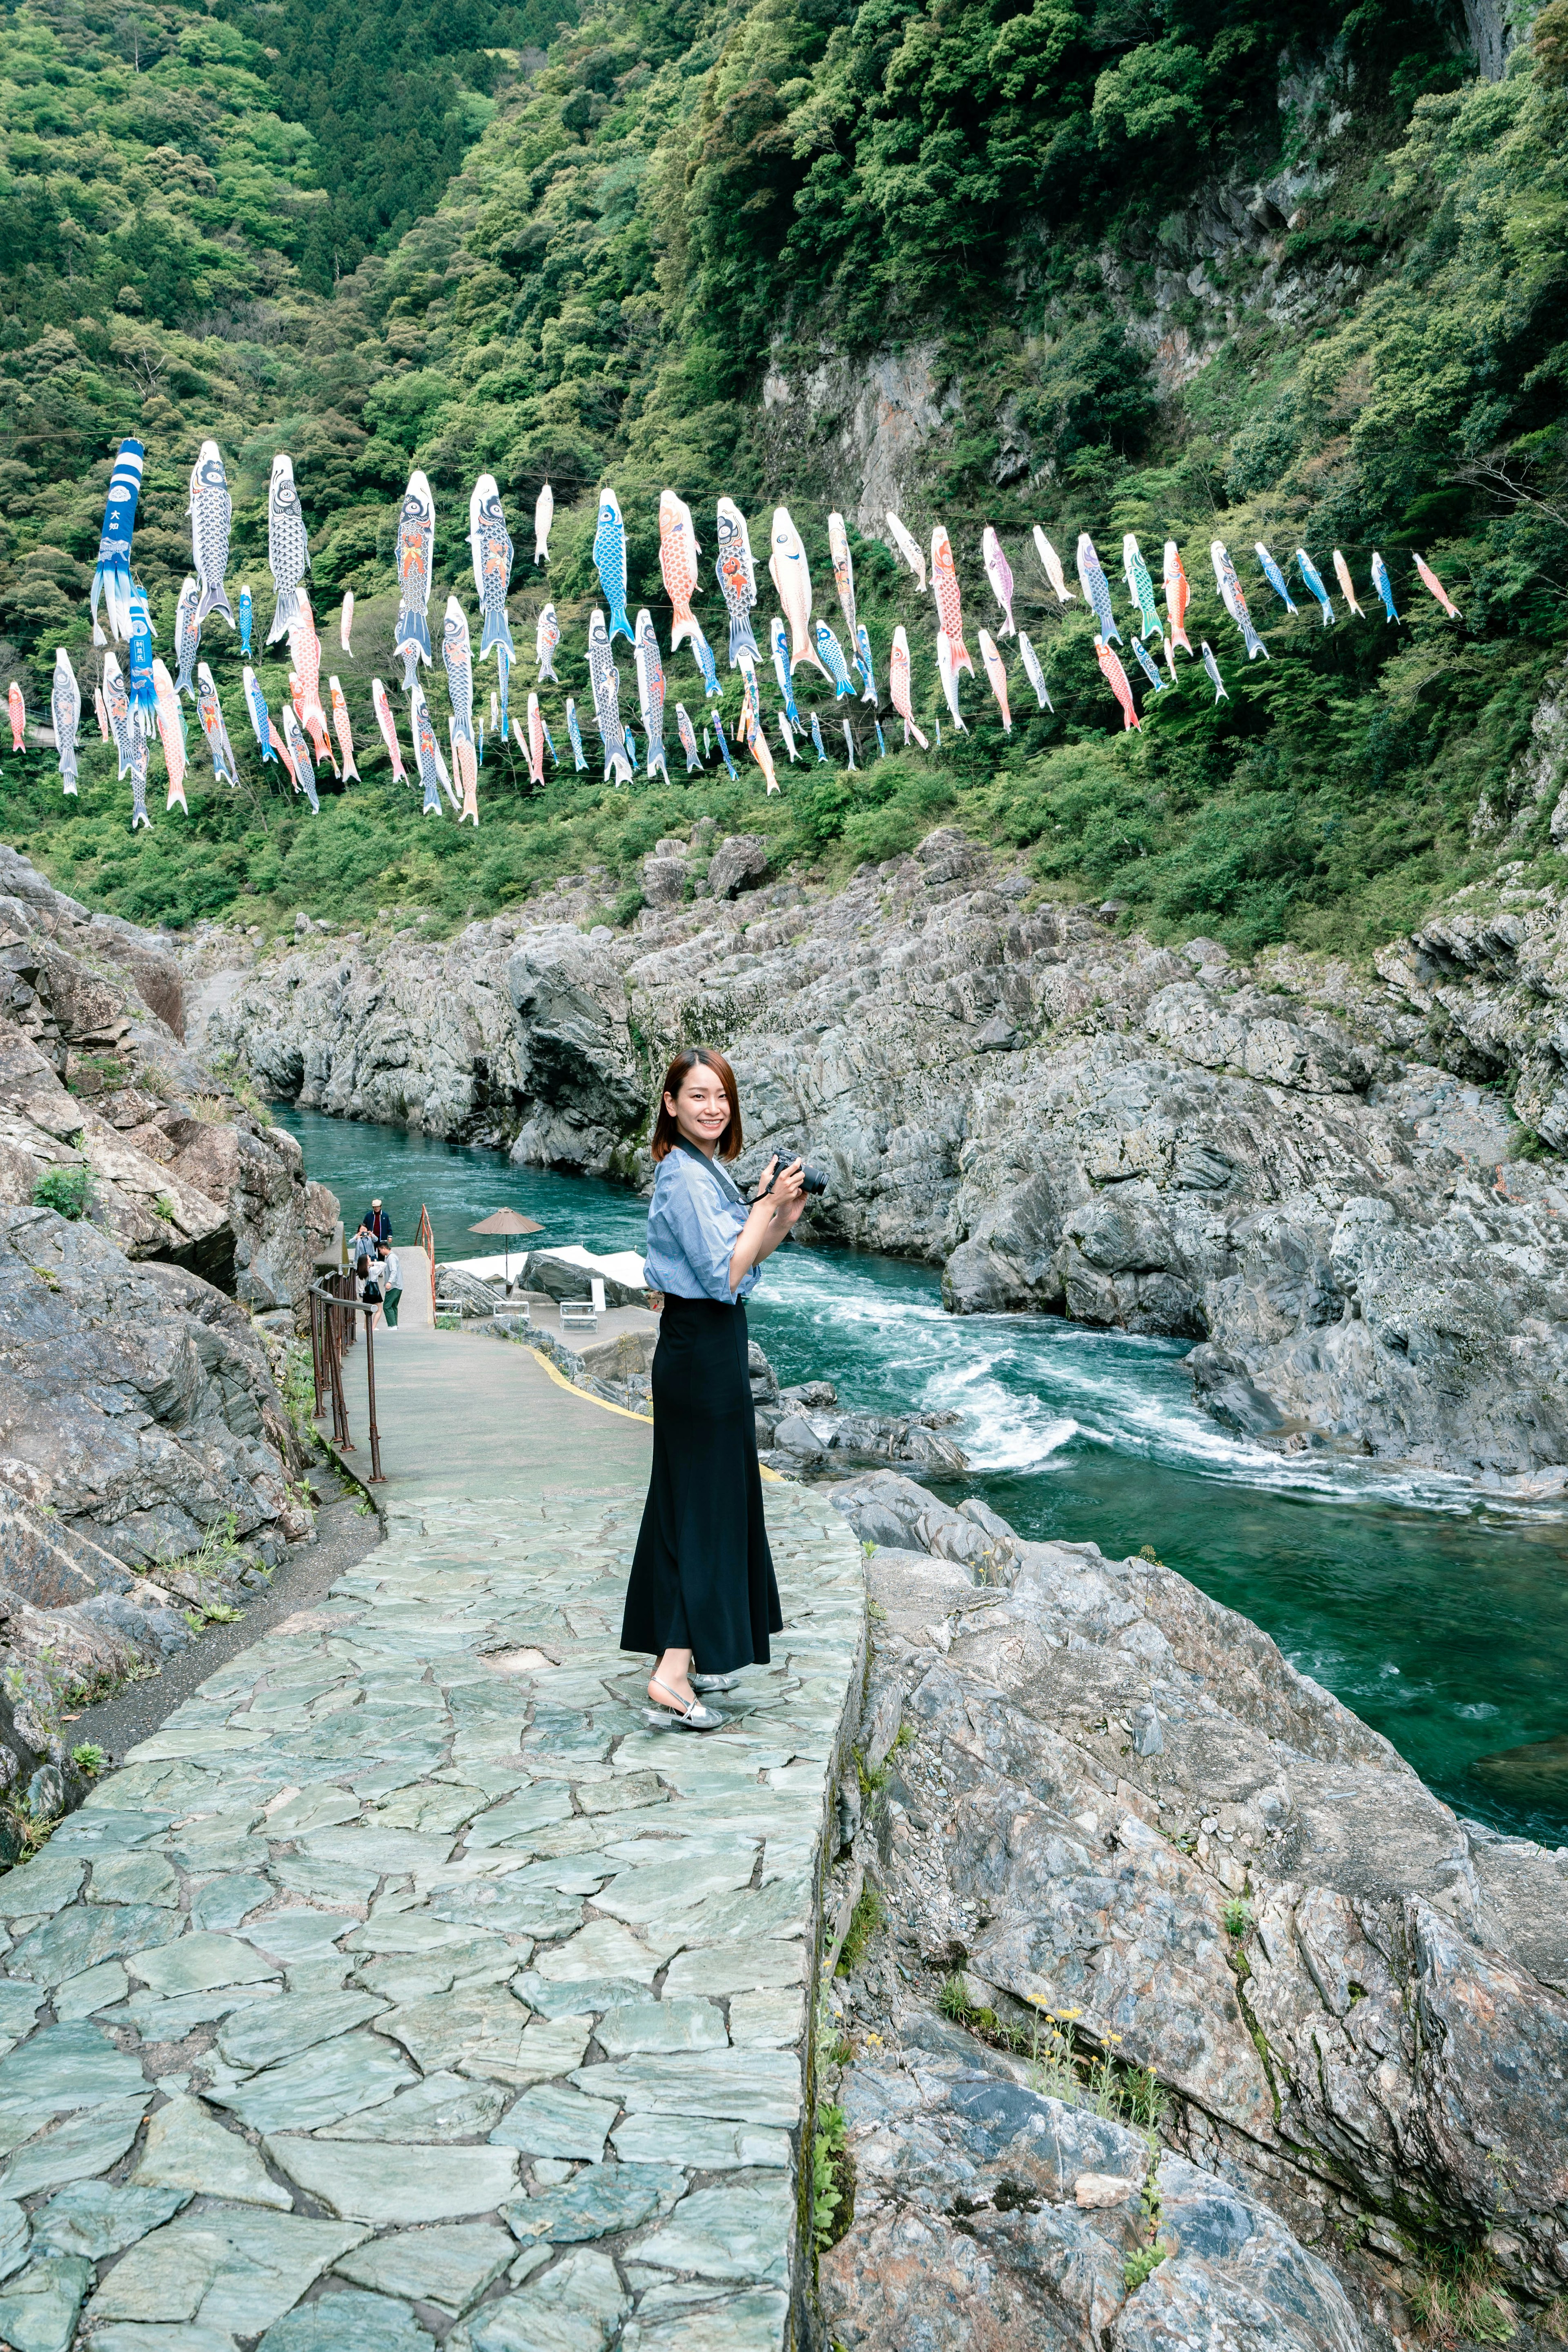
(94, 1074)
(1264, 1159)
(806, 1431)
(1151, 1824)
(146, 1456)
(1489, 977)
(140, 1406)
(988, 2215)
(147, 1468)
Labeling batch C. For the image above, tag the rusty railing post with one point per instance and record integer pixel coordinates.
(376, 1471)
(328, 1305)
(316, 1349)
(340, 1402)
(428, 1243)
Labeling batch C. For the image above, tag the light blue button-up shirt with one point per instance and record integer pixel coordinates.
(694, 1220)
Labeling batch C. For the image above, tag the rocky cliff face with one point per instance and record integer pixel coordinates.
(1268, 1160)
(95, 1076)
(1109, 1818)
(1489, 975)
(146, 1456)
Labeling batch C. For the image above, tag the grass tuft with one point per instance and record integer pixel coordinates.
(864, 1922)
(1456, 2296)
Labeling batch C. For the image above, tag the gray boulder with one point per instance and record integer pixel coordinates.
(140, 1419)
(737, 864)
(664, 877)
(576, 1063)
(988, 2214)
(887, 1509)
(812, 1442)
(459, 1292)
(137, 1400)
(559, 1277)
(1485, 979)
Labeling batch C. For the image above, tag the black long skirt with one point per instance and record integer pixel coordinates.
(702, 1576)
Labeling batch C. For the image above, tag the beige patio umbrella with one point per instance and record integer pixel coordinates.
(508, 1222)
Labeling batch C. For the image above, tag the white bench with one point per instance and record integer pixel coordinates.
(582, 1314)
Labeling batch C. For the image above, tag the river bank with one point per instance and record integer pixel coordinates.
(1267, 1160)
(1138, 1862)
(1439, 1614)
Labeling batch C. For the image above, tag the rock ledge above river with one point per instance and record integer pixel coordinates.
(1092, 1793)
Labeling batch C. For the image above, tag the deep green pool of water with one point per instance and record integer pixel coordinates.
(1437, 1615)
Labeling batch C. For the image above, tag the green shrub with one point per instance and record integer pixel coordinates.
(1140, 2264)
(832, 2180)
(67, 1191)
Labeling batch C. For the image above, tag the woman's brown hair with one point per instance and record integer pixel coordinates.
(666, 1134)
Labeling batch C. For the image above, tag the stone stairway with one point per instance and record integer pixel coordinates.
(404, 1987)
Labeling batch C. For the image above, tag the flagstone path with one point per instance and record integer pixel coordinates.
(403, 1987)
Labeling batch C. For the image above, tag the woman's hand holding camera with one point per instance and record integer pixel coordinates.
(783, 1190)
(774, 1214)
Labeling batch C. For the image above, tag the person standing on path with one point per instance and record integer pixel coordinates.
(702, 1583)
(378, 1224)
(389, 1277)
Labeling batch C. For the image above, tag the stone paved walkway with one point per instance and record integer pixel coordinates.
(404, 1987)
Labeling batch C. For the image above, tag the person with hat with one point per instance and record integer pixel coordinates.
(378, 1223)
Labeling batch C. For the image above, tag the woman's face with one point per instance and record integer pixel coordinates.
(701, 1109)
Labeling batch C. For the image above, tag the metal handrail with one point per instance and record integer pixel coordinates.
(329, 1336)
(427, 1238)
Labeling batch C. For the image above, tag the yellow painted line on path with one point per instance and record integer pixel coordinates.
(587, 1397)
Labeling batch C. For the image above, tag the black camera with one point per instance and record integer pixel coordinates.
(812, 1180)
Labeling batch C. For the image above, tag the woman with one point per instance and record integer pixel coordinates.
(702, 1582)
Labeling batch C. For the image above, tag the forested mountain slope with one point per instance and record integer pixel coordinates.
(1197, 268)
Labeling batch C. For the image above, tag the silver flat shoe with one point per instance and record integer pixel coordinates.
(713, 1681)
(695, 1717)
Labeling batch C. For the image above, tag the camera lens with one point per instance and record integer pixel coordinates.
(812, 1180)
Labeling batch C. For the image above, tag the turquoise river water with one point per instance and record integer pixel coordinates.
(1437, 1615)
